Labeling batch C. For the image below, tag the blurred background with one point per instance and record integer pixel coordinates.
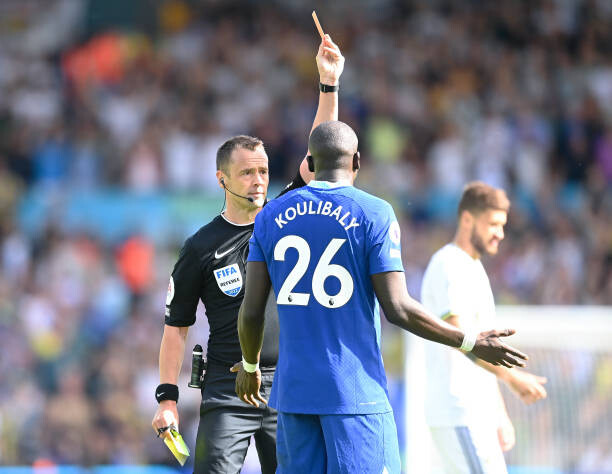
(110, 116)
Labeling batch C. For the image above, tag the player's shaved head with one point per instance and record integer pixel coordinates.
(332, 145)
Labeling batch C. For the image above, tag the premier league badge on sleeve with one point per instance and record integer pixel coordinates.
(229, 279)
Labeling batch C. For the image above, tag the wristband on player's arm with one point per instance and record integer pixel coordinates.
(250, 368)
(469, 340)
(166, 391)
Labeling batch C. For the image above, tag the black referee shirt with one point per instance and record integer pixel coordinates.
(211, 267)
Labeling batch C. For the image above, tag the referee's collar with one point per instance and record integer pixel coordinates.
(234, 223)
(328, 184)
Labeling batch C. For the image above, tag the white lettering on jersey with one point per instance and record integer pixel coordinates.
(324, 208)
(290, 213)
(353, 223)
(279, 221)
(336, 212)
(310, 210)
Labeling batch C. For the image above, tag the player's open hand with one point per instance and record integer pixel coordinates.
(330, 62)
(248, 385)
(528, 387)
(489, 348)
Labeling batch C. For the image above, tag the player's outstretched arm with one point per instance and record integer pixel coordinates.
(407, 313)
(528, 387)
(251, 318)
(330, 64)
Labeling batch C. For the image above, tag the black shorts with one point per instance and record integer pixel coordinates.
(227, 424)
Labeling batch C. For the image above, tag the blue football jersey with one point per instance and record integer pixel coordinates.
(321, 243)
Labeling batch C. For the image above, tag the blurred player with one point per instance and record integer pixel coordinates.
(464, 407)
(329, 250)
(211, 268)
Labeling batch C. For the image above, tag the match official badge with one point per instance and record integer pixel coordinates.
(229, 279)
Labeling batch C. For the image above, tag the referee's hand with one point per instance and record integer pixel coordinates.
(248, 385)
(330, 62)
(165, 416)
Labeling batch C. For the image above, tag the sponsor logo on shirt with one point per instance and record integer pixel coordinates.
(218, 254)
(229, 279)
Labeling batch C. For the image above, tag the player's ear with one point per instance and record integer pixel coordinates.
(356, 161)
(310, 163)
(466, 218)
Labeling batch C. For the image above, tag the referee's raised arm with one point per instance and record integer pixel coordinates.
(330, 64)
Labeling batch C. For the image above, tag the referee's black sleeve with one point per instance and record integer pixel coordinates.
(184, 288)
(297, 182)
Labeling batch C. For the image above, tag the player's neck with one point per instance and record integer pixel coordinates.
(240, 215)
(462, 241)
(335, 176)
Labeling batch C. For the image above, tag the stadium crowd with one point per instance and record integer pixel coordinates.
(518, 94)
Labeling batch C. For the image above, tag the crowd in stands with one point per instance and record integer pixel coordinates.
(517, 94)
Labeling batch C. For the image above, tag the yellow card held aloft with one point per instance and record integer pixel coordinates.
(177, 446)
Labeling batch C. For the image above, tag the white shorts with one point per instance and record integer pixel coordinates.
(469, 450)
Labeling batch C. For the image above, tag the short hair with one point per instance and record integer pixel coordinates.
(224, 153)
(331, 141)
(479, 197)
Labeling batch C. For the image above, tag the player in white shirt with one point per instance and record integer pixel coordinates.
(463, 405)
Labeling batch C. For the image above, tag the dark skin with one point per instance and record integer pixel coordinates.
(399, 308)
(390, 288)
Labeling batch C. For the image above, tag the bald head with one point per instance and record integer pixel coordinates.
(332, 145)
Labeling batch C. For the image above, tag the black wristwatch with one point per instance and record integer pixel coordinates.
(327, 88)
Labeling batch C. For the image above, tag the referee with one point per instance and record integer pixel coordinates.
(211, 268)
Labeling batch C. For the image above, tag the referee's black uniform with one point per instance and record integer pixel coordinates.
(212, 267)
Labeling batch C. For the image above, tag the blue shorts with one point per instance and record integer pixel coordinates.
(337, 444)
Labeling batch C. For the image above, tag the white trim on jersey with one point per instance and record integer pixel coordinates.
(233, 223)
(328, 184)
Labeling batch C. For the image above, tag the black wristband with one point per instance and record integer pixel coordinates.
(328, 88)
(166, 391)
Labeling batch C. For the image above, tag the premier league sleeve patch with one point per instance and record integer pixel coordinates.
(229, 279)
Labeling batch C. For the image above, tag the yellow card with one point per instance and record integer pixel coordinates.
(177, 446)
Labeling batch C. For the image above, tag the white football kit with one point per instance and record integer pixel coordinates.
(462, 403)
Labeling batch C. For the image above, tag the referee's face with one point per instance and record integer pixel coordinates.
(248, 176)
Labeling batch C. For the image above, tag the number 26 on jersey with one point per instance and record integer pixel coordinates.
(322, 271)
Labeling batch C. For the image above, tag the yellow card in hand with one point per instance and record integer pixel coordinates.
(177, 446)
